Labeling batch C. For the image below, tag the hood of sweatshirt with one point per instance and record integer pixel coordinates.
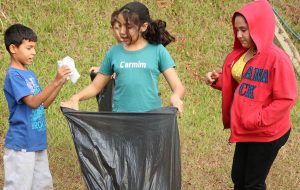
(261, 24)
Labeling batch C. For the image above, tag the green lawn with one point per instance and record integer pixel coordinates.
(80, 29)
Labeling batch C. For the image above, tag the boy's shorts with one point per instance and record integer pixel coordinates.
(26, 170)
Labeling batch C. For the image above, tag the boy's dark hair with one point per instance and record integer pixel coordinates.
(16, 33)
(156, 32)
(113, 17)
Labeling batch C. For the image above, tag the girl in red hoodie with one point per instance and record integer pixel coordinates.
(259, 89)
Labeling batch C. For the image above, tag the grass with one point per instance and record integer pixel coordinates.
(80, 29)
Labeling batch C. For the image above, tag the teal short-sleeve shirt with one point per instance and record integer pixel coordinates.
(137, 73)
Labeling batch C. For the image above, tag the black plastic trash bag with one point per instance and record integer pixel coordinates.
(127, 151)
(104, 98)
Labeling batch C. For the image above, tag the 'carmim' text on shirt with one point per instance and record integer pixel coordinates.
(138, 64)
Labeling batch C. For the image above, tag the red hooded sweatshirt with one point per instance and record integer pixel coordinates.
(258, 108)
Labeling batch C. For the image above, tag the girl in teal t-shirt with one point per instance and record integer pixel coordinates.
(137, 61)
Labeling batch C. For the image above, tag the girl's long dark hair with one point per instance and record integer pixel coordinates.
(156, 32)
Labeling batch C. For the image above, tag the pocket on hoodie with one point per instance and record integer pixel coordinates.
(251, 107)
(251, 114)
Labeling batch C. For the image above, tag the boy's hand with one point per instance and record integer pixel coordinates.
(178, 103)
(73, 103)
(62, 74)
(211, 77)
